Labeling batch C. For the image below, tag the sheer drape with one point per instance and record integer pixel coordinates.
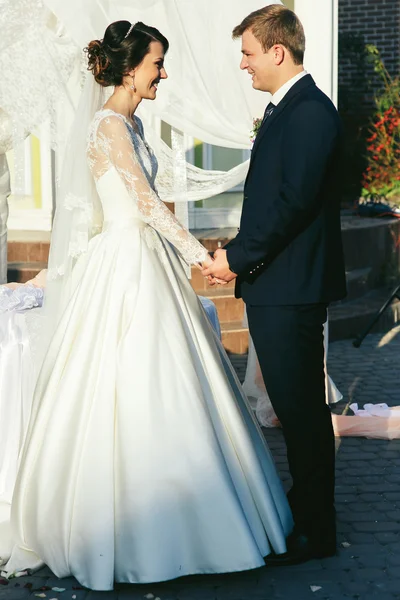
(206, 95)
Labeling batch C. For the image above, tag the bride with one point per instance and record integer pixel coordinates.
(143, 461)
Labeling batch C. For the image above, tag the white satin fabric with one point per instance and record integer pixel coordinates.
(16, 385)
(18, 374)
(143, 461)
(17, 380)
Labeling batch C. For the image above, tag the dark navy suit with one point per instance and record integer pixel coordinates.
(289, 260)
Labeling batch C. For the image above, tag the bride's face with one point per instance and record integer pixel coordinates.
(150, 72)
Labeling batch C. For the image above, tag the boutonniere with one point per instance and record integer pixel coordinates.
(256, 128)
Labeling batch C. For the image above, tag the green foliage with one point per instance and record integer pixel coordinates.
(382, 174)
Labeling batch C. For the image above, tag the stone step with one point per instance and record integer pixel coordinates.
(201, 285)
(372, 243)
(229, 308)
(21, 272)
(28, 246)
(348, 319)
(235, 337)
(358, 283)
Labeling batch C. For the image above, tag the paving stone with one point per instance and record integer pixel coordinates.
(394, 496)
(379, 463)
(393, 478)
(368, 497)
(295, 589)
(356, 588)
(378, 595)
(344, 498)
(369, 574)
(357, 507)
(380, 488)
(392, 586)
(339, 563)
(384, 506)
(387, 537)
(12, 593)
(374, 479)
(342, 508)
(373, 547)
(361, 538)
(131, 594)
(373, 560)
(394, 560)
(361, 516)
(348, 490)
(378, 527)
(393, 515)
(343, 527)
(393, 573)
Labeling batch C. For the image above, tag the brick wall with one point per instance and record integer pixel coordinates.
(373, 22)
(363, 22)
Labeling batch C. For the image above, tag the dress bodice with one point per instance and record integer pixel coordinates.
(124, 169)
(115, 199)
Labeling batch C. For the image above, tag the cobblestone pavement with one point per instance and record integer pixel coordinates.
(367, 566)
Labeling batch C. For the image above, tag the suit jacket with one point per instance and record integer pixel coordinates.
(289, 249)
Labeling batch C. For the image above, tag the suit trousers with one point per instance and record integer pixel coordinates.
(290, 347)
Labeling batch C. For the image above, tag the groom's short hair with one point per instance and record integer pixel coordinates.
(275, 24)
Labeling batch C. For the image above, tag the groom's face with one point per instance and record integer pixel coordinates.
(259, 64)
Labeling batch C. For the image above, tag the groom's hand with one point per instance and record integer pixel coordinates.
(219, 269)
(208, 261)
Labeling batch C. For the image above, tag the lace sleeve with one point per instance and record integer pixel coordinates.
(113, 140)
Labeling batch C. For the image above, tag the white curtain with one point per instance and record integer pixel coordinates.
(206, 95)
(36, 61)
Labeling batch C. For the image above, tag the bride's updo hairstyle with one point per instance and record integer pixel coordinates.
(123, 48)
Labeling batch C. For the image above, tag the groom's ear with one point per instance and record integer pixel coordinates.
(278, 51)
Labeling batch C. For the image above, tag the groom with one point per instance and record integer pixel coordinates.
(288, 261)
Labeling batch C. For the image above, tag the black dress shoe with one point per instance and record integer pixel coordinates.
(300, 550)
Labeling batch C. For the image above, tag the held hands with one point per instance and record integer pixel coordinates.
(207, 263)
(218, 269)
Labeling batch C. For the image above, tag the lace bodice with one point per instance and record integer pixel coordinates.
(125, 168)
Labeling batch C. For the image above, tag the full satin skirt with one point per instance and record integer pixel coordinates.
(143, 461)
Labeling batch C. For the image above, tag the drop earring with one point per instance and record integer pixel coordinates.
(133, 84)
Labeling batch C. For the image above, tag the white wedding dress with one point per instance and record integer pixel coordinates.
(143, 461)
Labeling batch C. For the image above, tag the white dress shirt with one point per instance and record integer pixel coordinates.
(283, 90)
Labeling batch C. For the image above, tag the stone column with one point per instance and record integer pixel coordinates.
(5, 191)
(320, 21)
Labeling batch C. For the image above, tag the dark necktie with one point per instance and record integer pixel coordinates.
(268, 111)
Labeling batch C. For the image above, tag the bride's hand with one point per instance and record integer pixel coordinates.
(207, 262)
(214, 281)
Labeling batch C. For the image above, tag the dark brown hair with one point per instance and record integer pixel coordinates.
(275, 24)
(117, 53)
